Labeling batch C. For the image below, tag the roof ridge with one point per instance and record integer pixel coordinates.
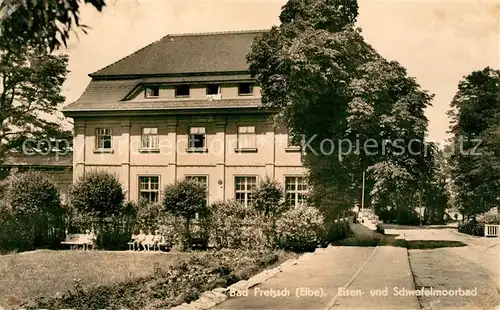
(179, 35)
(186, 34)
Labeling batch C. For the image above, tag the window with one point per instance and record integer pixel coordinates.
(103, 139)
(243, 189)
(197, 138)
(295, 190)
(149, 138)
(149, 188)
(213, 89)
(182, 91)
(152, 91)
(246, 137)
(245, 89)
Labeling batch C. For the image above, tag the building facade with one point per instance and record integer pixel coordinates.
(184, 107)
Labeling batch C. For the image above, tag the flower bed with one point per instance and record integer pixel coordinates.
(184, 282)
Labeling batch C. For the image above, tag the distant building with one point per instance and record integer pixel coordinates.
(59, 167)
(184, 107)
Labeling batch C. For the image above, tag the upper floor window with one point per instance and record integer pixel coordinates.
(152, 91)
(182, 91)
(197, 139)
(149, 188)
(213, 89)
(244, 187)
(103, 138)
(295, 190)
(149, 138)
(246, 137)
(245, 89)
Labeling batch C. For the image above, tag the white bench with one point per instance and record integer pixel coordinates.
(491, 230)
(76, 240)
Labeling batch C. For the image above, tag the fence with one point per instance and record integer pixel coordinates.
(491, 230)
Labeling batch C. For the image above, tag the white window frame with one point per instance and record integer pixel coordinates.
(191, 138)
(102, 135)
(149, 141)
(247, 191)
(149, 190)
(295, 192)
(247, 137)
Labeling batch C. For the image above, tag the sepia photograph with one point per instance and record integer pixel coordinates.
(249, 154)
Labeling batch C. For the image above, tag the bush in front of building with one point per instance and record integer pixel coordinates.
(185, 199)
(300, 229)
(148, 215)
(97, 202)
(235, 226)
(31, 214)
(267, 198)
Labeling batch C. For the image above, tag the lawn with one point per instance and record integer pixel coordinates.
(28, 275)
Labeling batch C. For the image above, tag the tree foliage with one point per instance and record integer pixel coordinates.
(333, 89)
(185, 198)
(47, 23)
(267, 197)
(475, 125)
(30, 211)
(31, 81)
(98, 194)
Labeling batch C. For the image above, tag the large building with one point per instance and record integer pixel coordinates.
(184, 107)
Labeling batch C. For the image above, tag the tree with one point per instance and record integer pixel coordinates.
(475, 125)
(32, 202)
(97, 197)
(48, 23)
(335, 90)
(267, 197)
(30, 89)
(186, 199)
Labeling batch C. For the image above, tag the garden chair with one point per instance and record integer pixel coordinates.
(133, 243)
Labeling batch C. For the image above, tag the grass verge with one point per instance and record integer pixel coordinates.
(183, 282)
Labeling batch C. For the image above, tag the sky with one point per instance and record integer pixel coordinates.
(439, 42)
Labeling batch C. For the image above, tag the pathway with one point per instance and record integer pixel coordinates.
(327, 279)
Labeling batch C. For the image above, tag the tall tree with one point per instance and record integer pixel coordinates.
(338, 94)
(30, 89)
(475, 125)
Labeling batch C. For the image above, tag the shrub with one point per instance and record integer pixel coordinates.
(235, 226)
(490, 217)
(471, 228)
(97, 193)
(300, 229)
(267, 198)
(31, 213)
(185, 199)
(148, 215)
(97, 201)
(336, 230)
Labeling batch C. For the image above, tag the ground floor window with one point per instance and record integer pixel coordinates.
(149, 188)
(243, 189)
(295, 190)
